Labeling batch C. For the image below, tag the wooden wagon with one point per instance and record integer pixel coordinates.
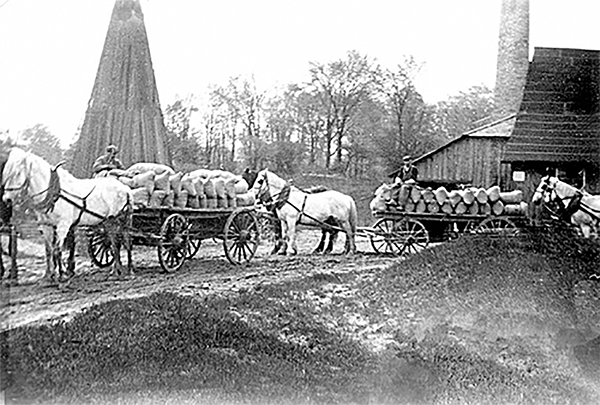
(419, 216)
(177, 234)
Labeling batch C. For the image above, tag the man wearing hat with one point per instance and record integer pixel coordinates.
(407, 172)
(105, 163)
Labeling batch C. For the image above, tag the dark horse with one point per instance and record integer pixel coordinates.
(330, 228)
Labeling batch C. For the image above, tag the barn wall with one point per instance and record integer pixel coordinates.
(474, 160)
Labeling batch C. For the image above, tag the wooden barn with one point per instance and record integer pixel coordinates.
(475, 157)
(557, 130)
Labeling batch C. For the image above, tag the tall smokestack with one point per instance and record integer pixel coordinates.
(513, 57)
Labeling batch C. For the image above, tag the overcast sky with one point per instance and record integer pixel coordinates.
(50, 49)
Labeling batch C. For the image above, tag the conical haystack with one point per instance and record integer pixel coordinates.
(124, 108)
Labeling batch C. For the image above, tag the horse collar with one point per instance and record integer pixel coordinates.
(52, 194)
(283, 197)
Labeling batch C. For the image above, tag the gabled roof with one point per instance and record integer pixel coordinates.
(559, 118)
(497, 129)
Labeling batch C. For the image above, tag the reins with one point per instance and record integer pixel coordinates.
(283, 199)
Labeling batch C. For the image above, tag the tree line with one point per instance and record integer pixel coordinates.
(352, 117)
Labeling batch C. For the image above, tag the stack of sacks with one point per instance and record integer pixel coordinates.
(220, 189)
(155, 185)
(468, 201)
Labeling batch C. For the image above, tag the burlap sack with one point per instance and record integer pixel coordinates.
(144, 167)
(181, 199)
(175, 180)
(187, 184)
(219, 187)
(144, 180)
(156, 198)
(141, 196)
(128, 181)
(209, 189)
(244, 200)
(162, 182)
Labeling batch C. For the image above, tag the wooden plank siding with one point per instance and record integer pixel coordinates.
(470, 159)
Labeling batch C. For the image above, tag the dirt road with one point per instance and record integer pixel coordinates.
(209, 272)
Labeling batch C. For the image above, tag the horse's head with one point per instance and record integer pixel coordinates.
(544, 190)
(15, 175)
(267, 185)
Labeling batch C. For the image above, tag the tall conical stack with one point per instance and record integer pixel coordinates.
(124, 108)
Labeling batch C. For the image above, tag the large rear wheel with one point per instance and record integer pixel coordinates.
(173, 243)
(414, 234)
(241, 236)
(498, 226)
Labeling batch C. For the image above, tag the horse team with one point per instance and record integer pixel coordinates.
(61, 202)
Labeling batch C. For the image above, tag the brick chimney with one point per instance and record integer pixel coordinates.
(513, 57)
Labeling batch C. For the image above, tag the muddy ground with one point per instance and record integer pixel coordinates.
(32, 302)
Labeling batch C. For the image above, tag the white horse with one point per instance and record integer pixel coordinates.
(61, 202)
(295, 207)
(582, 208)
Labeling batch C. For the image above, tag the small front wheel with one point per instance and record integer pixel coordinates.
(386, 239)
(100, 248)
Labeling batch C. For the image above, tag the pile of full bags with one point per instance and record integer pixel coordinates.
(467, 201)
(156, 185)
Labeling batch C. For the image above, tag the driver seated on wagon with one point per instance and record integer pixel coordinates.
(107, 162)
(407, 174)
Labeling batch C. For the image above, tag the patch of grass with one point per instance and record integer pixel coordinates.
(169, 342)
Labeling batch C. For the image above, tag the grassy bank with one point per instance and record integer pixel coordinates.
(477, 320)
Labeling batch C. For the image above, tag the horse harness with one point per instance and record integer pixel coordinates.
(567, 209)
(282, 198)
(54, 192)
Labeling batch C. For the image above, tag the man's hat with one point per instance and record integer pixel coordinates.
(112, 148)
(407, 158)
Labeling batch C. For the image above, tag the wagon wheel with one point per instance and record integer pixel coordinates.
(241, 236)
(192, 247)
(387, 239)
(100, 248)
(497, 226)
(414, 234)
(173, 243)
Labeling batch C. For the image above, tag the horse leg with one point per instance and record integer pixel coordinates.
(291, 235)
(333, 235)
(350, 245)
(285, 231)
(321, 245)
(49, 236)
(70, 246)
(278, 236)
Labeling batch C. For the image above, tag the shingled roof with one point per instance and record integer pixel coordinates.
(559, 118)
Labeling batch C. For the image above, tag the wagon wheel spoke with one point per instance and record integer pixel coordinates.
(100, 248)
(416, 236)
(241, 236)
(173, 244)
(386, 238)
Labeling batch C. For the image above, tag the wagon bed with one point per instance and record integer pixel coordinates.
(177, 233)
